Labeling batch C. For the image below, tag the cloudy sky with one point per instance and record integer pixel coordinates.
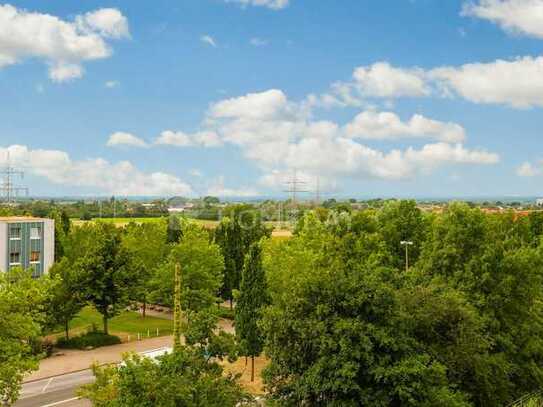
(232, 97)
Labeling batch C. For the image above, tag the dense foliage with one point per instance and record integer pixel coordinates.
(348, 326)
(22, 315)
(190, 376)
(253, 297)
(339, 318)
(238, 230)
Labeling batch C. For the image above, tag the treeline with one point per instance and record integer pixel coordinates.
(87, 210)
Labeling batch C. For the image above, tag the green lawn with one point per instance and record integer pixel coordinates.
(127, 323)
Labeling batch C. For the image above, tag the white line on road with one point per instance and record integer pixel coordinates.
(56, 403)
(47, 385)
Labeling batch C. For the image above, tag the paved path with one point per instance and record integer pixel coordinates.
(76, 360)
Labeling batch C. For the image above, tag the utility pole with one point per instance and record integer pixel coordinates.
(318, 190)
(294, 186)
(177, 308)
(406, 243)
(7, 187)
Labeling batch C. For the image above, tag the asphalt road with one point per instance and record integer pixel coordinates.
(61, 390)
(55, 391)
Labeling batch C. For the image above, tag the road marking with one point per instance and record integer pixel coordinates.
(61, 402)
(47, 385)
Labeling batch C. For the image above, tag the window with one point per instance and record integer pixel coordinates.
(34, 256)
(35, 232)
(15, 258)
(15, 232)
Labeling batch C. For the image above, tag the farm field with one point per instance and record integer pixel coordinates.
(280, 229)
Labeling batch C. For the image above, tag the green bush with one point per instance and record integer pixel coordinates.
(88, 340)
(41, 347)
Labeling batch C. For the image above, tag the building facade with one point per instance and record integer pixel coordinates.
(28, 243)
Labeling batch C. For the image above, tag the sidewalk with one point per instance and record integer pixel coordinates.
(75, 360)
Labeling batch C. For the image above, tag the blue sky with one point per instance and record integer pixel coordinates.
(373, 98)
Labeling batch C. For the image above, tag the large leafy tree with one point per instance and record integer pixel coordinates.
(190, 376)
(337, 337)
(253, 297)
(66, 297)
(202, 267)
(502, 276)
(346, 328)
(402, 221)
(148, 247)
(22, 306)
(235, 234)
(105, 268)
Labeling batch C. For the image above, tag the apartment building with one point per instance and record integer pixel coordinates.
(27, 242)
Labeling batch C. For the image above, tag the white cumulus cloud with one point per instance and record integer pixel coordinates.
(180, 139)
(62, 45)
(528, 169)
(517, 16)
(515, 82)
(278, 135)
(518, 82)
(108, 22)
(121, 138)
(272, 4)
(102, 176)
(373, 125)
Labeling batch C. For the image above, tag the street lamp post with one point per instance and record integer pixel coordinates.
(406, 243)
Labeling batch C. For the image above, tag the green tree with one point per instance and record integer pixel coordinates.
(62, 229)
(66, 299)
(228, 235)
(148, 248)
(174, 231)
(402, 221)
(190, 376)
(104, 266)
(502, 276)
(253, 297)
(202, 267)
(235, 235)
(182, 378)
(22, 305)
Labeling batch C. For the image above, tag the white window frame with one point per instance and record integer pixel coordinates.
(35, 237)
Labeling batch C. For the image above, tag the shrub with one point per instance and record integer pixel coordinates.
(41, 347)
(91, 339)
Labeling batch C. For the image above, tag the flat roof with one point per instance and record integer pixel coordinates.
(20, 219)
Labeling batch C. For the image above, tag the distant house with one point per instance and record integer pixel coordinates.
(27, 242)
(539, 202)
(176, 210)
(181, 208)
